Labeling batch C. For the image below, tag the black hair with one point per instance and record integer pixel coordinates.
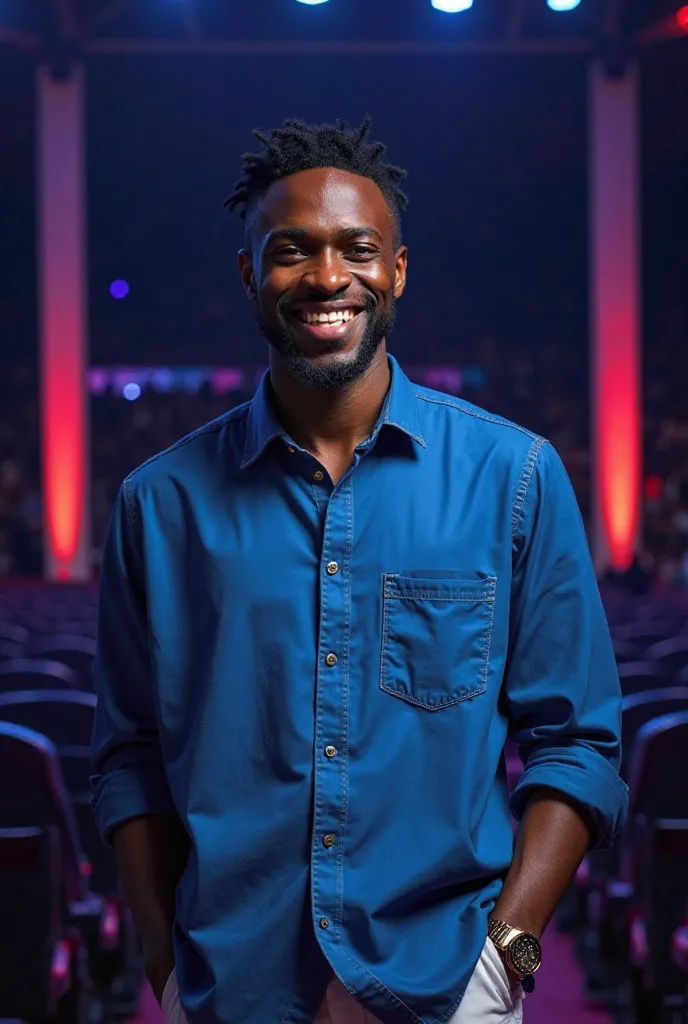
(302, 147)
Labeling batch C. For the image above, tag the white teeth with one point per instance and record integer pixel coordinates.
(338, 317)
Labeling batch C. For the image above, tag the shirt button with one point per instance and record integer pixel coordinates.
(331, 660)
(324, 923)
(332, 568)
(318, 475)
(330, 751)
(290, 449)
(329, 841)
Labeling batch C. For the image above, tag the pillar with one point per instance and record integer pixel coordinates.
(615, 316)
(62, 297)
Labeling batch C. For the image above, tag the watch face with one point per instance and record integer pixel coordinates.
(525, 953)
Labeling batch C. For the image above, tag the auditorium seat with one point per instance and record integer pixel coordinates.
(637, 676)
(36, 674)
(77, 652)
(66, 718)
(9, 650)
(14, 634)
(671, 655)
(679, 950)
(643, 634)
(43, 974)
(625, 651)
(33, 794)
(639, 708)
(654, 854)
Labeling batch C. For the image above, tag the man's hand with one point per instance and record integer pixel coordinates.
(514, 979)
(152, 851)
(158, 966)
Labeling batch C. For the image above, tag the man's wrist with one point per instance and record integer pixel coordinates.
(518, 917)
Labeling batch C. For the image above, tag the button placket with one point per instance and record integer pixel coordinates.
(331, 716)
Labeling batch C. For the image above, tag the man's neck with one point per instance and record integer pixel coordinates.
(327, 421)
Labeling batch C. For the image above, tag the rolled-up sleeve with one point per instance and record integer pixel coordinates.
(562, 689)
(129, 779)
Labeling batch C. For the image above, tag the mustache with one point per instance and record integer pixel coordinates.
(368, 302)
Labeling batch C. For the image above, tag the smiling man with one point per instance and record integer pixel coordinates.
(321, 617)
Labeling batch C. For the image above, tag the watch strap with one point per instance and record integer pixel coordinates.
(502, 934)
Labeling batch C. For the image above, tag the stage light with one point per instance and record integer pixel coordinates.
(119, 289)
(452, 6)
(311, 3)
(682, 18)
(562, 5)
(131, 392)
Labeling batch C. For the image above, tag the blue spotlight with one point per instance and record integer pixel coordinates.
(562, 5)
(131, 391)
(312, 3)
(452, 6)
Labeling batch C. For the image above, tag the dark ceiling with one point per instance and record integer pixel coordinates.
(109, 25)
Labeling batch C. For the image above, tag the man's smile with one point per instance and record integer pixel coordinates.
(324, 321)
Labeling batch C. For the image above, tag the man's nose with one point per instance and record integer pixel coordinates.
(328, 274)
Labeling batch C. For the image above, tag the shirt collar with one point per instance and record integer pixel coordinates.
(400, 410)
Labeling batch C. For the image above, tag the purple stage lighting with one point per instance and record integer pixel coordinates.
(119, 289)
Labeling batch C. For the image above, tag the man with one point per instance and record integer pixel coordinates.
(321, 616)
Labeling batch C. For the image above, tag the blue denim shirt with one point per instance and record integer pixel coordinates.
(319, 680)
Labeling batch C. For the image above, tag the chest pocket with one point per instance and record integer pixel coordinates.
(436, 632)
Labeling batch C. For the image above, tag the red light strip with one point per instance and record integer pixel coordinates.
(64, 399)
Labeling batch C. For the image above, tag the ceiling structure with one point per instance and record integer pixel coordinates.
(55, 29)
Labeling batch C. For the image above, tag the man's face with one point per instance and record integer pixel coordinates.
(324, 273)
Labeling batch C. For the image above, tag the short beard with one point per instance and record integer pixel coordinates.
(336, 374)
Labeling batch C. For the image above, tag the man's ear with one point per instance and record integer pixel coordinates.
(400, 269)
(245, 261)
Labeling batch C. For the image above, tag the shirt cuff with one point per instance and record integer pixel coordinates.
(130, 793)
(583, 775)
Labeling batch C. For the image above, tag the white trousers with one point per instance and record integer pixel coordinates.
(489, 999)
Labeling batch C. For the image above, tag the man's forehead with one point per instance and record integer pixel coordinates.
(324, 195)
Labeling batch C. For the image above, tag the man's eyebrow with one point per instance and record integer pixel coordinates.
(288, 235)
(362, 232)
(302, 234)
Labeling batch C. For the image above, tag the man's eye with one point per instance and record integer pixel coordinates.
(363, 250)
(288, 250)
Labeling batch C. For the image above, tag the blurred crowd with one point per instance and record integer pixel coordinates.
(541, 386)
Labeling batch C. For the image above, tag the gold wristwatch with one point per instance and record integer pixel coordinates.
(521, 951)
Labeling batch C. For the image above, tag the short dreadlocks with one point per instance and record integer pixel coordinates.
(302, 147)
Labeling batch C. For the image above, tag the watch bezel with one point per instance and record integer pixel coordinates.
(510, 953)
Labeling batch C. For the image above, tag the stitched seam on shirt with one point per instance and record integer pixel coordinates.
(129, 504)
(410, 699)
(318, 740)
(383, 988)
(524, 482)
(488, 643)
(430, 595)
(477, 414)
(315, 495)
